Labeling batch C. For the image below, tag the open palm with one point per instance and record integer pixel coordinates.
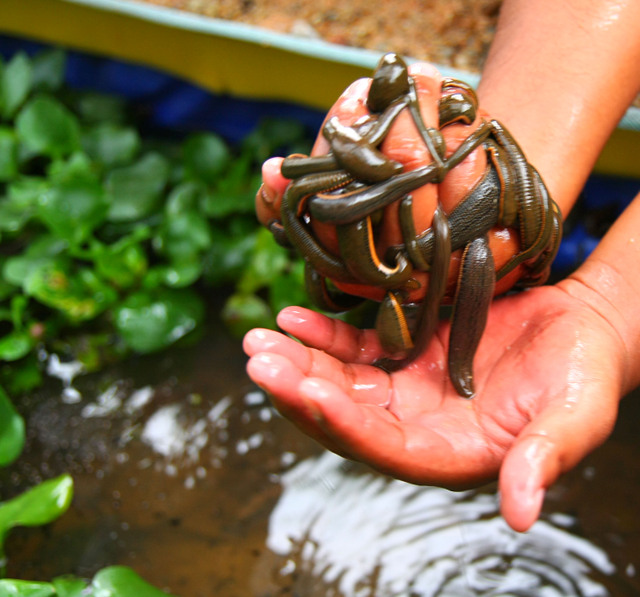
(548, 380)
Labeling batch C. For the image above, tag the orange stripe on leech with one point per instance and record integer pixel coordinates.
(407, 340)
(371, 243)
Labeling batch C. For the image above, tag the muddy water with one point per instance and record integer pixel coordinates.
(184, 472)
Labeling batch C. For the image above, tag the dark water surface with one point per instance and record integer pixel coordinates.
(185, 473)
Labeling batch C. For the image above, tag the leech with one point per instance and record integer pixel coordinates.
(339, 210)
(474, 293)
(438, 278)
(296, 166)
(508, 208)
(430, 308)
(357, 155)
(393, 330)
(359, 252)
(475, 215)
(319, 293)
(409, 235)
(352, 185)
(459, 106)
(300, 237)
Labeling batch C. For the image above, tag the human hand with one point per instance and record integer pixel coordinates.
(548, 374)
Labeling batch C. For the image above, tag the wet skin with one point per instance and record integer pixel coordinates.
(350, 186)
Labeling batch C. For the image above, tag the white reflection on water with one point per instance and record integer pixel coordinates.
(348, 528)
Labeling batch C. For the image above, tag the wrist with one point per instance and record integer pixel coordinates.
(613, 296)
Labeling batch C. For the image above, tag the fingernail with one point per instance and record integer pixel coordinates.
(264, 367)
(293, 315)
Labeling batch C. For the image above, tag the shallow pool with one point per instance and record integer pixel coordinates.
(184, 472)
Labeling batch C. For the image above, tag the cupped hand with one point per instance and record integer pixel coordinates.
(548, 377)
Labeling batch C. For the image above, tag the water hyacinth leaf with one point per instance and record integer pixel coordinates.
(15, 345)
(93, 108)
(15, 84)
(22, 376)
(228, 256)
(48, 69)
(121, 581)
(222, 203)
(8, 154)
(111, 145)
(149, 321)
(186, 196)
(80, 295)
(26, 588)
(73, 209)
(243, 312)
(276, 134)
(179, 274)
(12, 431)
(206, 157)
(24, 192)
(289, 289)
(134, 191)
(70, 586)
(268, 261)
(46, 127)
(39, 505)
(123, 266)
(42, 252)
(184, 236)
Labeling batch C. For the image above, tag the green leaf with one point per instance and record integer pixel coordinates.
(24, 192)
(70, 586)
(15, 345)
(93, 108)
(40, 505)
(46, 127)
(206, 157)
(12, 432)
(72, 209)
(80, 295)
(243, 312)
(178, 274)
(220, 204)
(289, 289)
(121, 581)
(25, 588)
(48, 67)
(134, 191)
(8, 154)
(22, 376)
(184, 236)
(187, 196)
(43, 252)
(122, 265)
(15, 84)
(149, 321)
(111, 144)
(228, 256)
(268, 261)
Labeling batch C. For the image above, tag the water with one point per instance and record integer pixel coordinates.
(184, 472)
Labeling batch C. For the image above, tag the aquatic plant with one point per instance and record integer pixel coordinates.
(112, 242)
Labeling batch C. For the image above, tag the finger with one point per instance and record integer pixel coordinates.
(281, 380)
(362, 383)
(411, 451)
(337, 338)
(363, 432)
(549, 446)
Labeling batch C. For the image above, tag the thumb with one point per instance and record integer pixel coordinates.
(553, 443)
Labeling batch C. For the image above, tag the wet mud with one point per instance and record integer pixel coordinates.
(184, 472)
